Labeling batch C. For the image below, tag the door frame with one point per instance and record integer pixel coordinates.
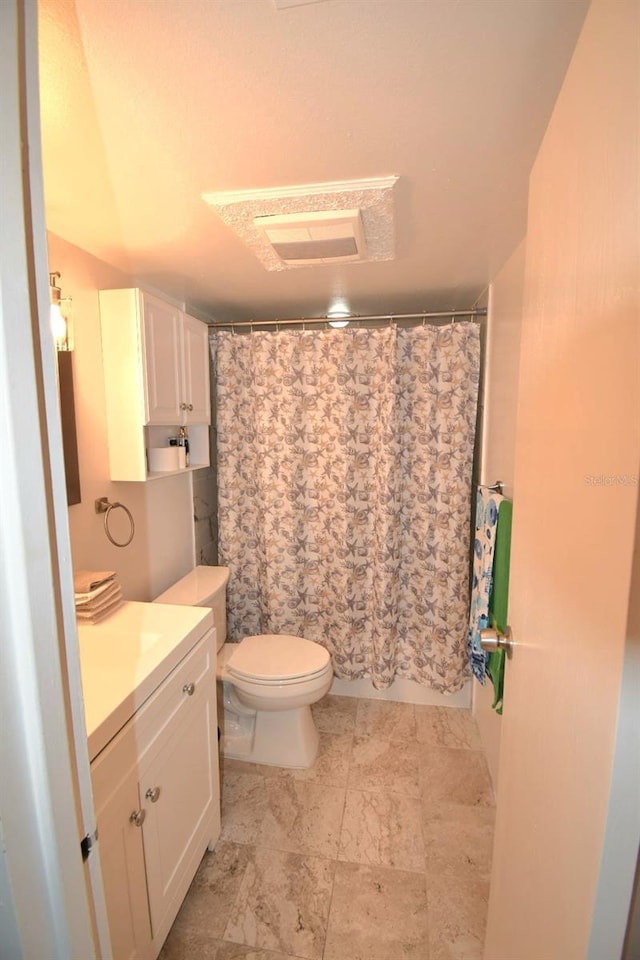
(53, 905)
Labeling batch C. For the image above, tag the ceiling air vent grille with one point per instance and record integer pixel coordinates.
(302, 239)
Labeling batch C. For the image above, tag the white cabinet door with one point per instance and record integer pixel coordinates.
(195, 344)
(178, 784)
(123, 873)
(163, 373)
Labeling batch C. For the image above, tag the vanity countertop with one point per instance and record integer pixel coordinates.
(127, 656)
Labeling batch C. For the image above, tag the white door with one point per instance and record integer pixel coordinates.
(177, 783)
(123, 871)
(195, 341)
(45, 795)
(575, 503)
(163, 380)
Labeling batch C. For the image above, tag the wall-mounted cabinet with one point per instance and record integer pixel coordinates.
(156, 370)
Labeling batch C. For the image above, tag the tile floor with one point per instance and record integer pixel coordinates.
(381, 851)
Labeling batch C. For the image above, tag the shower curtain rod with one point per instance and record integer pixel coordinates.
(453, 315)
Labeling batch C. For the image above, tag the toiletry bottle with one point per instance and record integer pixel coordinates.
(185, 443)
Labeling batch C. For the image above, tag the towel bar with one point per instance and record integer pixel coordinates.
(496, 487)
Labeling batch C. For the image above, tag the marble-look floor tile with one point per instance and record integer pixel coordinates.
(382, 828)
(184, 944)
(447, 727)
(208, 903)
(283, 904)
(302, 817)
(400, 807)
(457, 910)
(244, 803)
(386, 719)
(331, 766)
(449, 775)
(458, 839)
(377, 914)
(243, 768)
(385, 766)
(235, 951)
(335, 714)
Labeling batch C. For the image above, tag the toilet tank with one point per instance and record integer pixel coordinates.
(203, 587)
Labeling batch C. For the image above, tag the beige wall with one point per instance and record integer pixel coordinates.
(162, 548)
(500, 401)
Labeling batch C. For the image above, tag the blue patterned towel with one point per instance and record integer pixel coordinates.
(487, 506)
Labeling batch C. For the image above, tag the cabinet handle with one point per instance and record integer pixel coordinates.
(153, 794)
(189, 689)
(190, 406)
(137, 818)
(183, 406)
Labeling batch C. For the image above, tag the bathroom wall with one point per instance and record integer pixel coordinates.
(205, 498)
(504, 323)
(205, 517)
(163, 546)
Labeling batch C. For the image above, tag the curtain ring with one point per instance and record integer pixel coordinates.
(103, 506)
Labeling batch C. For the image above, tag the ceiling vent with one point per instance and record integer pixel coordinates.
(340, 222)
(302, 239)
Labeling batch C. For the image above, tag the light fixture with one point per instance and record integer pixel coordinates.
(338, 313)
(60, 322)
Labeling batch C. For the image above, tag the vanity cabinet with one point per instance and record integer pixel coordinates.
(156, 372)
(157, 797)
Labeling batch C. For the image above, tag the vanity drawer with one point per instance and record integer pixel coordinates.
(192, 679)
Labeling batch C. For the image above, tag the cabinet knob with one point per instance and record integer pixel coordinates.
(190, 406)
(183, 406)
(153, 794)
(137, 818)
(189, 689)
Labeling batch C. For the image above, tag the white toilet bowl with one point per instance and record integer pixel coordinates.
(268, 682)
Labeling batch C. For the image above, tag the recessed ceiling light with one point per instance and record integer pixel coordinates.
(338, 313)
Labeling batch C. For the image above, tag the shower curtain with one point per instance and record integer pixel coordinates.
(344, 479)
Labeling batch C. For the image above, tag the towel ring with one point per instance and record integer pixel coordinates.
(102, 505)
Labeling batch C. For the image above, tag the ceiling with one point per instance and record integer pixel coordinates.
(148, 104)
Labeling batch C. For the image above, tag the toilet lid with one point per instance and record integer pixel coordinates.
(277, 656)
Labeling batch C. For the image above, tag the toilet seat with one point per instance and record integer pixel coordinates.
(279, 659)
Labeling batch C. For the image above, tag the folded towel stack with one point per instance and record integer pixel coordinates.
(97, 594)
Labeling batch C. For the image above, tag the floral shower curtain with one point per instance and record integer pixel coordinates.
(344, 477)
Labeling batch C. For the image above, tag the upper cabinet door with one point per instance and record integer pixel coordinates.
(195, 342)
(163, 381)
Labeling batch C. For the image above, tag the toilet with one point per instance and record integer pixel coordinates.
(268, 681)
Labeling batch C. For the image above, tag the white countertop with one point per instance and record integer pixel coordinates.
(125, 658)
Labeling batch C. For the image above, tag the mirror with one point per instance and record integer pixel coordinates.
(68, 414)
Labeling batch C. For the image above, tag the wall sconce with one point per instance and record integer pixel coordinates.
(60, 321)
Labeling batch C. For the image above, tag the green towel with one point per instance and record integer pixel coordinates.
(499, 600)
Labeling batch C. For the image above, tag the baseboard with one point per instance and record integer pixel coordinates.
(404, 691)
